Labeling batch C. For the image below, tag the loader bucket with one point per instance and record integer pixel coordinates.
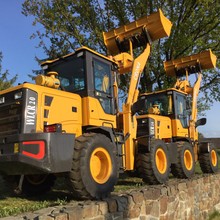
(205, 59)
(156, 24)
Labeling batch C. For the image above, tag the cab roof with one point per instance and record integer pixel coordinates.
(162, 91)
(77, 51)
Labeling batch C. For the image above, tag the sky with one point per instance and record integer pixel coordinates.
(19, 52)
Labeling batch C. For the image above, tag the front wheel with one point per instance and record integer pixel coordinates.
(209, 161)
(94, 170)
(185, 166)
(154, 166)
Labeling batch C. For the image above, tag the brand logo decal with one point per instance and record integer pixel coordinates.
(31, 111)
(137, 71)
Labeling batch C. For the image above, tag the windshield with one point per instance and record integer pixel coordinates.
(160, 104)
(70, 73)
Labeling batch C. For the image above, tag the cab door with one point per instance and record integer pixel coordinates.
(180, 123)
(98, 106)
(103, 85)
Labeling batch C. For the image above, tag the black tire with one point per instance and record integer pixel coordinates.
(209, 161)
(86, 180)
(154, 167)
(185, 166)
(37, 184)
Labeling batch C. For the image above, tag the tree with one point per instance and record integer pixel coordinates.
(73, 23)
(201, 136)
(4, 81)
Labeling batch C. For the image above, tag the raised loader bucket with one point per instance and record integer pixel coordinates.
(206, 60)
(156, 24)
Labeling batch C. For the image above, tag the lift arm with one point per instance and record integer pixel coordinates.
(139, 33)
(119, 42)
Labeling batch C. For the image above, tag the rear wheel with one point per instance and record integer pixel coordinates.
(154, 167)
(209, 161)
(94, 170)
(37, 184)
(31, 184)
(185, 166)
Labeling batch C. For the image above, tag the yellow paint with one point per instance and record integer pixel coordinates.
(157, 25)
(130, 127)
(188, 160)
(214, 158)
(16, 148)
(161, 160)
(93, 114)
(100, 165)
(206, 59)
(163, 127)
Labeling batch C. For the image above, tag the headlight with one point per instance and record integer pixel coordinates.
(18, 95)
(45, 67)
(2, 100)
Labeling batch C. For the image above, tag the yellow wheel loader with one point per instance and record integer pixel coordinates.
(68, 123)
(167, 124)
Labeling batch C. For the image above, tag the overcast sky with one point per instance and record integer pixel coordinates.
(19, 54)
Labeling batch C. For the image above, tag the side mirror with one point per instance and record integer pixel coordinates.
(137, 106)
(201, 121)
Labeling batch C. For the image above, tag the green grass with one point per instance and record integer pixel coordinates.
(127, 182)
(13, 205)
(214, 216)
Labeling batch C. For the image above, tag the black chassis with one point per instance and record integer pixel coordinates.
(36, 153)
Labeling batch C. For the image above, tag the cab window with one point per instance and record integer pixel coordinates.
(160, 104)
(181, 110)
(102, 76)
(71, 74)
(102, 84)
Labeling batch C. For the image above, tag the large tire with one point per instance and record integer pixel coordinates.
(94, 170)
(185, 166)
(154, 167)
(209, 161)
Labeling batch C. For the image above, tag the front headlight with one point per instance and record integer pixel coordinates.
(18, 95)
(2, 100)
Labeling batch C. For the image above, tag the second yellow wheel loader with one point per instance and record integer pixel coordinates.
(167, 133)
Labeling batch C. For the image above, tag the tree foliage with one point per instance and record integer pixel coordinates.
(4, 81)
(72, 23)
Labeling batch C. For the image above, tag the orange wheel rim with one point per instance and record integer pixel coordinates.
(188, 160)
(214, 158)
(161, 160)
(100, 165)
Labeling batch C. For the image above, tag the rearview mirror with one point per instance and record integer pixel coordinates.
(137, 106)
(201, 121)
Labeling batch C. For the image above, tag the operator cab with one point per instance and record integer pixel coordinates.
(170, 103)
(87, 73)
